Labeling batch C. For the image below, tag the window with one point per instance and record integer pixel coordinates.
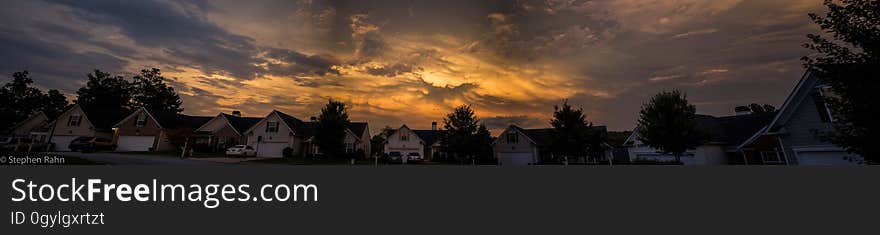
(771, 157)
(819, 99)
(74, 120)
(349, 147)
(271, 127)
(141, 120)
(512, 138)
(404, 137)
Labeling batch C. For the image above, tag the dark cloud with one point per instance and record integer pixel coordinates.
(392, 70)
(51, 64)
(292, 63)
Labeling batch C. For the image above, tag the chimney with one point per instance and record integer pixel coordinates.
(433, 126)
(742, 110)
(313, 119)
(236, 113)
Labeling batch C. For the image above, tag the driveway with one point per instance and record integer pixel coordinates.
(136, 159)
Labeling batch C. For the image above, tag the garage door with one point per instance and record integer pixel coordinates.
(515, 159)
(62, 141)
(134, 143)
(270, 149)
(828, 159)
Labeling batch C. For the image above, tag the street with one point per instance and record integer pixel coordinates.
(137, 159)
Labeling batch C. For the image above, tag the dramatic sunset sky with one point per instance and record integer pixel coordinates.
(412, 61)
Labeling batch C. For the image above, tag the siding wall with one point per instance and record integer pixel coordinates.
(414, 144)
(84, 129)
(128, 127)
(805, 128)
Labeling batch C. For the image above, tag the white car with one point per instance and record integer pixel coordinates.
(241, 150)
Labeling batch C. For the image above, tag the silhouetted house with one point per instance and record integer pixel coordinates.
(152, 131)
(224, 131)
(357, 138)
(518, 146)
(725, 135)
(82, 121)
(277, 131)
(36, 127)
(424, 144)
(798, 134)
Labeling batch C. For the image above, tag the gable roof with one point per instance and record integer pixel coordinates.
(794, 99)
(176, 120)
(297, 126)
(428, 136)
(101, 118)
(39, 114)
(241, 124)
(358, 128)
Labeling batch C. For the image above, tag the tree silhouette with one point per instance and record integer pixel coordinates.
(571, 131)
(108, 92)
(20, 100)
(765, 108)
(377, 143)
(848, 62)
(667, 123)
(483, 142)
(459, 136)
(151, 92)
(55, 104)
(331, 126)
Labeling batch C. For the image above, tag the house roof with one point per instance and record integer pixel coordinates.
(429, 136)
(102, 118)
(298, 126)
(358, 128)
(544, 136)
(176, 120)
(241, 124)
(733, 130)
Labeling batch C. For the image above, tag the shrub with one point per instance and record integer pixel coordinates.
(287, 152)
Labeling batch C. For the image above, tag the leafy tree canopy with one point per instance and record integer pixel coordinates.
(667, 123)
(331, 127)
(847, 55)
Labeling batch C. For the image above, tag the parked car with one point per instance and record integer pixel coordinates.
(91, 144)
(7, 143)
(241, 150)
(394, 157)
(413, 157)
(13, 143)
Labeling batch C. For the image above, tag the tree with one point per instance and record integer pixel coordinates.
(459, 137)
(484, 153)
(765, 108)
(331, 127)
(848, 62)
(377, 143)
(150, 91)
(667, 123)
(571, 131)
(107, 92)
(55, 104)
(20, 100)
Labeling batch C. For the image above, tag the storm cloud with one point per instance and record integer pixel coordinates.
(411, 61)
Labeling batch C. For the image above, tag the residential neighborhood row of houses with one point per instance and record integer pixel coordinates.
(796, 134)
(144, 130)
